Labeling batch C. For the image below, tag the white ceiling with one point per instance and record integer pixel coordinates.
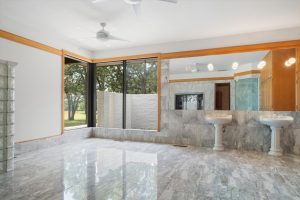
(76, 21)
(221, 62)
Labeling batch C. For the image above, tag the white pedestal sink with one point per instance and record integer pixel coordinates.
(276, 122)
(218, 120)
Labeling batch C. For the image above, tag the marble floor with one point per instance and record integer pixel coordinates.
(108, 170)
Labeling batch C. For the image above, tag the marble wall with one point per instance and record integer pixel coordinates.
(69, 136)
(7, 109)
(205, 87)
(188, 127)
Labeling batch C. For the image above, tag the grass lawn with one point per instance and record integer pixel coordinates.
(80, 118)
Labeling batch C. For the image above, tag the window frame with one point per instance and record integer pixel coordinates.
(91, 81)
(124, 86)
(71, 56)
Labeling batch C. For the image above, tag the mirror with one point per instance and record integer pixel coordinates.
(254, 81)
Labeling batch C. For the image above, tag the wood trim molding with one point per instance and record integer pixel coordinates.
(232, 49)
(132, 57)
(247, 73)
(28, 42)
(158, 92)
(201, 79)
(77, 56)
(63, 92)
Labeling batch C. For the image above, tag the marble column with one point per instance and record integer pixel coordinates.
(7, 97)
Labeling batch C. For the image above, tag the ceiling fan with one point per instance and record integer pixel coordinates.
(104, 36)
(136, 3)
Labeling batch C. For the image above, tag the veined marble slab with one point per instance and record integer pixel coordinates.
(105, 169)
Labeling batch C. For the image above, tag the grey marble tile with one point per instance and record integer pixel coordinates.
(105, 169)
(102, 169)
(67, 137)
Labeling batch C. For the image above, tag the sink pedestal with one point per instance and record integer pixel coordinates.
(276, 122)
(218, 137)
(218, 120)
(275, 149)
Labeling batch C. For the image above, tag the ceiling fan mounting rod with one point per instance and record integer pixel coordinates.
(133, 2)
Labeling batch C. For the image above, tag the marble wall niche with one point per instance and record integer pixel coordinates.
(205, 87)
(7, 97)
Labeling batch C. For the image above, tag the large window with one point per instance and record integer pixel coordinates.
(141, 96)
(75, 98)
(109, 86)
(131, 104)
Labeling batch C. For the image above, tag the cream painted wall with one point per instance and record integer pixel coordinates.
(38, 90)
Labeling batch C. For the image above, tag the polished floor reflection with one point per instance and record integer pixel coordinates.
(107, 170)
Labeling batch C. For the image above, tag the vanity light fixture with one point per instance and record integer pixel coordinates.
(210, 67)
(261, 64)
(235, 65)
(290, 62)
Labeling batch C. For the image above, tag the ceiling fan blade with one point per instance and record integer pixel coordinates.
(111, 37)
(137, 9)
(98, 1)
(170, 1)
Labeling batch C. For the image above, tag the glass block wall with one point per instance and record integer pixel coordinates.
(7, 97)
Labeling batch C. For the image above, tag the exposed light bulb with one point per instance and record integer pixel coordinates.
(287, 63)
(210, 67)
(235, 65)
(290, 62)
(261, 64)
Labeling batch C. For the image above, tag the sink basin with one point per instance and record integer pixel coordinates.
(218, 120)
(276, 122)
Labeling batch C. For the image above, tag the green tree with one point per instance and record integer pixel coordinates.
(110, 78)
(75, 87)
(141, 77)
